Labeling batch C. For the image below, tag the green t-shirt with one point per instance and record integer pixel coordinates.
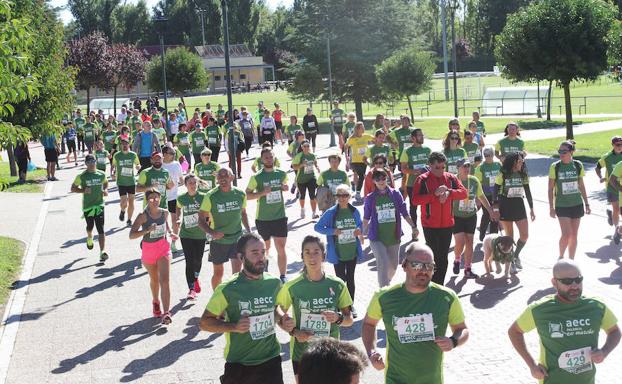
(79, 123)
(198, 140)
(306, 172)
(220, 116)
(95, 181)
(160, 134)
(402, 137)
(225, 211)
(513, 185)
(182, 141)
(190, 207)
(387, 224)
(453, 155)
(609, 161)
(471, 149)
(124, 164)
(271, 207)
(417, 158)
(291, 129)
(412, 320)
(332, 179)
(256, 299)
(349, 125)
(109, 139)
(566, 190)
(308, 299)
(346, 241)
(507, 145)
(89, 132)
(468, 207)
(373, 150)
(101, 158)
(338, 116)
(487, 174)
(212, 132)
(481, 129)
(206, 173)
(567, 333)
(156, 178)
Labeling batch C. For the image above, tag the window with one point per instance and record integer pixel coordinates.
(216, 78)
(242, 76)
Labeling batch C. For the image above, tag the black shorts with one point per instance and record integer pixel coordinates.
(71, 146)
(51, 156)
(279, 125)
(269, 372)
(95, 221)
(272, 228)
(575, 212)
(127, 190)
(296, 366)
(613, 197)
(512, 209)
(338, 129)
(172, 206)
(465, 225)
(221, 253)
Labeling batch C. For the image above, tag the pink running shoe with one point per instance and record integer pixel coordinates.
(191, 295)
(156, 309)
(197, 286)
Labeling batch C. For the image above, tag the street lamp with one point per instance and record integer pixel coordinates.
(201, 13)
(160, 23)
(225, 24)
(330, 87)
(454, 6)
(445, 66)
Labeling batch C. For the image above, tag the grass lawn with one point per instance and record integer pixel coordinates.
(589, 148)
(35, 181)
(11, 253)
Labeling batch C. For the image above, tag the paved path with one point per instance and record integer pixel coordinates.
(82, 322)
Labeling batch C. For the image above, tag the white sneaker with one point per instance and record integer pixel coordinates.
(302, 213)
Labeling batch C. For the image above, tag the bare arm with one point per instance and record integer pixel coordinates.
(245, 220)
(551, 191)
(614, 183)
(212, 323)
(613, 339)
(251, 195)
(368, 334)
(135, 231)
(518, 342)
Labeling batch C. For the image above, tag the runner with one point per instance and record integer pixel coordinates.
(197, 139)
(479, 124)
(416, 314)
(182, 142)
(235, 141)
(206, 171)
(51, 150)
(145, 143)
(268, 128)
(93, 186)
(413, 162)
(477, 137)
(333, 176)
(159, 131)
(379, 146)
(268, 186)
(101, 156)
(453, 151)
(220, 115)
(609, 161)
(320, 303)
(328, 360)
(342, 226)
(70, 139)
(487, 173)
(305, 165)
(258, 165)
(567, 196)
(109, 137)
(248, 131)
(400, 136)
(214, 138)
(379, 162)
(90, 131)
(245, 309)
(512, 181)
(155, 177)
(336, 118)
(79, 122)
(310, 125)
(277, 114)
(465, 218)
(349, 126)
(124, 163)
(510, 143)
(292, 128)
(191, 236)
(568, 326)
(225, 207)
(176, 174)
(355, 148)
(152, 226)
(471, 148)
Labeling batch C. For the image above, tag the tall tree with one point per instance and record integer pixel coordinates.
(93, 15)
(557, 40)
(184, 23)
(128, 69)
(245, 16)
(272, 39)
(131, 24)
(356, 46)
(494, 14)
(90, 56)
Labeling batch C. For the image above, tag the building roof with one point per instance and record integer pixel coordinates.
(154, 50)
(218, 51)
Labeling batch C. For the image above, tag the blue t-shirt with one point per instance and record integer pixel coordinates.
(145, 144)
(70, 134)
(48, 141)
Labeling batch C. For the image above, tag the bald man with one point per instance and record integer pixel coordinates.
(568, 324)
(416, 314)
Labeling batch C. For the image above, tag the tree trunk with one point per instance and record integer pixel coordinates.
(568, 102)
(181, 97)
(548, 103)
(358, 108)
(88, 101)
(12, 168)
(114, 106)
(410, 107)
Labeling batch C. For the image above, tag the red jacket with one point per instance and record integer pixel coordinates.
(433, 213)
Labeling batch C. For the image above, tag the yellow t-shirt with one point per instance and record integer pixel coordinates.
(358, 146)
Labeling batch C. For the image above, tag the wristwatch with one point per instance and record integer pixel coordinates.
(454, 341)
(340, 319)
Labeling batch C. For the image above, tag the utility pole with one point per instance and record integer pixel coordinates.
(445, 65)
(225, 24)
(330, 90)
(201, 13)
(454, 57)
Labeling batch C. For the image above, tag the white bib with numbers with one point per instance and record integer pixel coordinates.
(576, 361)
(515, 191)
(273, 197)
(315, 323)
(570, 187)
(191, 221)
(262, 326)
(415, 329)
(386, 216)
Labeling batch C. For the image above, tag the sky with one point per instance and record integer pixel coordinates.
(66, 15)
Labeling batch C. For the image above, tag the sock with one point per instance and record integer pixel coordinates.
(196, 275)
(519, 246)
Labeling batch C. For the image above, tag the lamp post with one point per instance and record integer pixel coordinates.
(201, 13)
(445, 66)
(453, 54)
(225, 24)
(330, 89)
(160, 23)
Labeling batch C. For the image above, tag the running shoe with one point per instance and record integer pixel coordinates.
(53, 178)
(103, 257)
(302, 213)
(518, 263)
(197, 286)
(513, 269)
(469, 274)
(616, 237)
(315, 216)
(89, 243)
(191, 295)
(156, 309)
(129, 222)
(357, 196)
(167, 318)
(415, 234)
(283, 279)
(353, 310)
(609, 217)
(456, 269)
(122, 216)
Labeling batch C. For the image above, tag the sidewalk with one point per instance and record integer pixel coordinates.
(87, 323)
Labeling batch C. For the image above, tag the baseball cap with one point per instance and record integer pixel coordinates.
(89, 159)
(462, 162)
(156, 154)
(616, 139)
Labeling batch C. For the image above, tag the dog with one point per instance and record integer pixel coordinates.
(502, 252)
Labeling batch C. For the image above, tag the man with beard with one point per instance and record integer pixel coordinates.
(155, 177)
(568, 324)
(245, 309)
(268, 185)
(416, 314)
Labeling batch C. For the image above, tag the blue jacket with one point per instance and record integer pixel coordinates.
(325, 227)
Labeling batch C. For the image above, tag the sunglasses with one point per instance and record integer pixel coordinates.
(381, 178)
(342, 195)
(419, 266)
(570, 280)
(454, 138)
(563, 151)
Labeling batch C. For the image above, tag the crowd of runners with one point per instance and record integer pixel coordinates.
(377, 181)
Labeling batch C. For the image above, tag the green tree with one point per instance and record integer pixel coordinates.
(128, 69)
(556, 40)
(184, 72)
(615, 43)
(131, 24)
(406, 73)
(93, 15)
(184, 24)
(272, 39)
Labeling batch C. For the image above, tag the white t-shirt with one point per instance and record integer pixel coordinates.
(121, 117)
(174, 126)
(175, 172)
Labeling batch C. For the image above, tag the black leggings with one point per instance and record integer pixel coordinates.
(268, 138)
(494, 225)
(193, 253)
(439, 240)
(215, 152)
(197, 158)
(413, 207)
(95, 221)
(311, 136)
(345, 271)
(81, 143)
(311, 185)
(248, 143)
(359, 169)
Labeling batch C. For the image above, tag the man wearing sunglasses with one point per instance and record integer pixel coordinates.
(416, 314)
(568, 324)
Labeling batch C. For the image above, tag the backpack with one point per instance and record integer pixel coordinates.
(325, 198)
(577, 165)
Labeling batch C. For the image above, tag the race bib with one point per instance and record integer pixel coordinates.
(268, 124)
(209, 184)
(262, 326)
(158, 232)
(333, 187)
(128, 172)
(184, 140)
(576, 361)
(212, 140)
(386, 216)
(362, 151)
(314, 323)
(101, 160)
(308, 168)
(492, 180)
(267, 132)
(346, 236)
(199, 142)
(515, 191)
(160, 187)
(311, 124)
(338, 120)
(191, 221)
(452, 168)
(415, 329)
(273, 197)
(570, 187)
(467, 205)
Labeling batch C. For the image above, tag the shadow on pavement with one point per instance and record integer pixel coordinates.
(56, 273)
(294, 267)
(494, 291)
(540, 294)
(354, 332)
(615, 278)
(605, 254)
(111, 231)
(456, 284)
(540, 166)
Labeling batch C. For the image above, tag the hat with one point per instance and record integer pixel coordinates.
(462, 162)
(156, 154)
(616, 139)
(89, 158)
